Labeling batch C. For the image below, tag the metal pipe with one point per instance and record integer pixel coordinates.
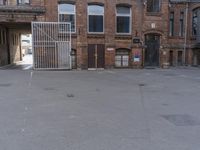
(186, 33)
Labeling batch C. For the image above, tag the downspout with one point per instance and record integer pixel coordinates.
(186, 33)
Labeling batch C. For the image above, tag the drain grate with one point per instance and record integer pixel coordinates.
(182, 120)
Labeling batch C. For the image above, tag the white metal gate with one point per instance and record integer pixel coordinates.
(51, 42)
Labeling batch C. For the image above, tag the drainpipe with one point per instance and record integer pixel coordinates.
(186, 33)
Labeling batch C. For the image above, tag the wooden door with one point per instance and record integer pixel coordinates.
(100, 56)
(152, 41)
(91, 56)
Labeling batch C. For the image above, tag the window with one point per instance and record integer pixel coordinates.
(122, 58)
(153, 5)
(123, 20)
(23, 2)
(67, 14)
(171, 24)
(181, 32)
(2, 2)
(95, 19)
(196, 22)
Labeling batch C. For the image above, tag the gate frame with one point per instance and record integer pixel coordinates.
(70, 47)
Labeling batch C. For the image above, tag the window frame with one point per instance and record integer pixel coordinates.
(153, 11)
(181, 24)
(88, 14)
(68, 13)
(3, 2)
(120, 55)
(171, 24)
(195, 16)
(19, 2)
(123, 15)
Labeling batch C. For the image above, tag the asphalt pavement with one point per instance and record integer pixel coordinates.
(147, 109)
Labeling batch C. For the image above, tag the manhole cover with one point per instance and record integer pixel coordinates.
(182, 120)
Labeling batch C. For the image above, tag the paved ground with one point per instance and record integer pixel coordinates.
(100, 110)
(25, 64)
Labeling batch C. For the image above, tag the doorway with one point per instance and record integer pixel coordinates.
(152, 42)
(26, 49)
(171, 55)
(96, 56)
(180, 58)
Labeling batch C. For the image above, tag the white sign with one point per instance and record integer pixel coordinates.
(110, 49)
(153, 25)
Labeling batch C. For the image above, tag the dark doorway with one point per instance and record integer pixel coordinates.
(171, 55)
(96, 56)
(74, 58)
(152, 41)
(180, 58)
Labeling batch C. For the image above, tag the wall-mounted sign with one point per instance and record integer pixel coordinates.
(136, 57)
(110, 49)
(153, 25)
(136, 40)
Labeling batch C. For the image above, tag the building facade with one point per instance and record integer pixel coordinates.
(114, 33)
(184, 32)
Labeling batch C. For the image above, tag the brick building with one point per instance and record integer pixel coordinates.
(117, 33)
(184, 32)
(105, 31)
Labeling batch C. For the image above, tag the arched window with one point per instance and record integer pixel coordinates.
(67, 13)
(95, 18)
(123, 15)
(122, 58)
(153, 5)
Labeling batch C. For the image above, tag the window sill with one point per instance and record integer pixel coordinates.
(123, 36)
(96, 35)
(157, 14)
(175, 37)
(73, 35)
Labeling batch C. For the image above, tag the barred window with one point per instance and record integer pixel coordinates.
(122, 58)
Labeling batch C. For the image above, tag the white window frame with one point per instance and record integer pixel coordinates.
(124, 15)
(68, 13)
(95, 14)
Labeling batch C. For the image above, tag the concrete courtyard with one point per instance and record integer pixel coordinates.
(149, 109)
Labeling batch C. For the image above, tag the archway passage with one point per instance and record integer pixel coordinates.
(15, 48)
(152, 42)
